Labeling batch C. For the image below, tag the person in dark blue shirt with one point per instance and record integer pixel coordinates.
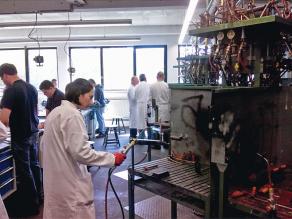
(19, 111)
(99, 106)
(55, 96)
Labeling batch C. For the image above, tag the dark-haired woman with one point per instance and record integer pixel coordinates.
(66, 153)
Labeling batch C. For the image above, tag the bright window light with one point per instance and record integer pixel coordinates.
(190, 11)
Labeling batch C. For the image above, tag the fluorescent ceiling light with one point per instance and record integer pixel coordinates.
(190, 12)
(72, 39)
(73, 23)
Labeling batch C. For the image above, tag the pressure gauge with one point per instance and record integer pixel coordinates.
(230, 34)
(220, 36)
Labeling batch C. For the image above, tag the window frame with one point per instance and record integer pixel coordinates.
(135, 47)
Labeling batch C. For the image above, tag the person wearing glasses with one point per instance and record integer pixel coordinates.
(68, 188)
(55, 96)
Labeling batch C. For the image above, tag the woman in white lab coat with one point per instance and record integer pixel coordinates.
(133, 107)
(68, 189)
(142, 97)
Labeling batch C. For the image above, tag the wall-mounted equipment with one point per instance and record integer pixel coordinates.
(39, 60)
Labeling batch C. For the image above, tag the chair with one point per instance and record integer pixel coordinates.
(117, 121)
(107, 140)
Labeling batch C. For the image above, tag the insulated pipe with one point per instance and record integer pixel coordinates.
(211, 8)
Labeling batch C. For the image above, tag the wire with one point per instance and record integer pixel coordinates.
(35, 29)
(109, 182)
(143, 158)
(69, 36)
(105, 196)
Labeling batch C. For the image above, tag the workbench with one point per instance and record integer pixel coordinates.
(183, 185)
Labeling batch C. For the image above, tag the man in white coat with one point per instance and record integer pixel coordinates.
(133, 107)
(142, 91)
(66, 153)
(160, 92)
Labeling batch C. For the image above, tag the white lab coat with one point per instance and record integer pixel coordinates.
(3, 212)
(142, 91)
(160, 92)
(132, 107)
(68, 188)
(3, 132)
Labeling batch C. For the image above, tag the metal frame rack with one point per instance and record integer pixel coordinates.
(181, 185)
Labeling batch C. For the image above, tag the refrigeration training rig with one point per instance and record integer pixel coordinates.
(231, 138)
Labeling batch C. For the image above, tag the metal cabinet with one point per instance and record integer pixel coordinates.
(7, 170)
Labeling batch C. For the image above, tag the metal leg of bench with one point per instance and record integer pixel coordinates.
(173, 210)
(131, 188)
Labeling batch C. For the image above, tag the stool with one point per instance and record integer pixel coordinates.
(108, 140)
(117, 122)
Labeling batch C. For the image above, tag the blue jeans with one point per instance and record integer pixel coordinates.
(100, 120)
(28, 177)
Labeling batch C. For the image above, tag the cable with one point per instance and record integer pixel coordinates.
(109, 182)
(105, 197)
(120, 204)
(140, 161)
(69, 36)
(32, 30)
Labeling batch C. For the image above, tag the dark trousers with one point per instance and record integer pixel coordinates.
(133, 133)
(26, 200)
(100, 120)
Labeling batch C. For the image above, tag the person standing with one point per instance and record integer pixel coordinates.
(67, 184)
(19, 111)
(55, 96)
(3, 136)
(54, 82)
(133, 107)
(142, 91)
(159, 91)
(99, 106)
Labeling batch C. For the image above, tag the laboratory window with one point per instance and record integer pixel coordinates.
(15, 57)
(150, 61)
(117, 67)
(86, 62)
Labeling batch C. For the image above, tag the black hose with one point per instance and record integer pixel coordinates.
(143, 158)
(105, 199)
(117, 197)
(109, 182)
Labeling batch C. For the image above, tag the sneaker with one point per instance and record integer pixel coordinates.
(100, 135)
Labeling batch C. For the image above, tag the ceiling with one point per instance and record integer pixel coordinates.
(30, 6)
(149, 17)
